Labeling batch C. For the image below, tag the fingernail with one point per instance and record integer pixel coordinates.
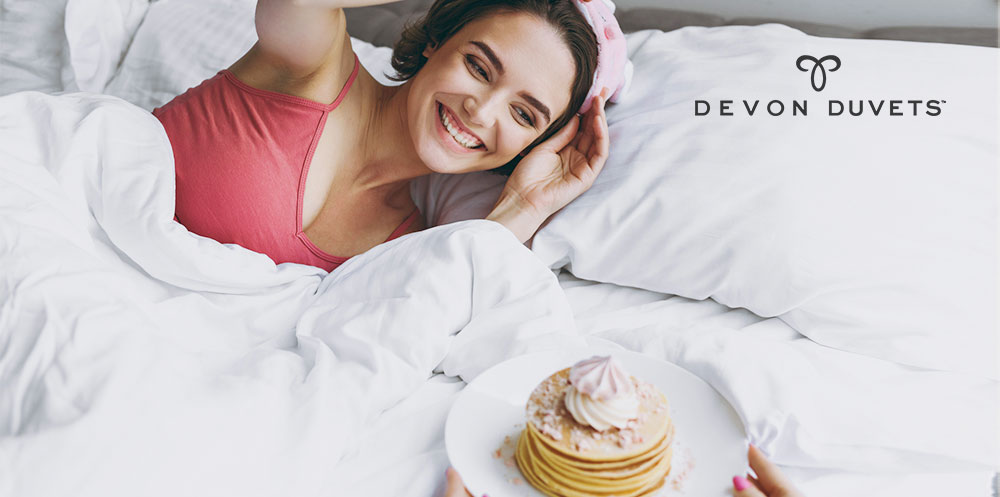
(740, 483)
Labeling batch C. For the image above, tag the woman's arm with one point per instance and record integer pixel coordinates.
(300, 36)
(521, 219)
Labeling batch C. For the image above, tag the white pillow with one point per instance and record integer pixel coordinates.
(871, 234)
(60, 45)
(97, 33)
(183, 42)
(31, 45)
(449, 198)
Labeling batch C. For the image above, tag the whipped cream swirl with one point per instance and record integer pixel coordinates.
(601, 394)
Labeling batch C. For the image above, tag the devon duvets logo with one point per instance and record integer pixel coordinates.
(819, 69)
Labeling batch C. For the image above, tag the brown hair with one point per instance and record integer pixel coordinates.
(447, 17)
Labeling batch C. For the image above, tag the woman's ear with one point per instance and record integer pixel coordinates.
(429, 50)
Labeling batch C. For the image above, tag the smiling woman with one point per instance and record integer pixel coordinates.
(297, 152)
(484, 111)
(519, 29)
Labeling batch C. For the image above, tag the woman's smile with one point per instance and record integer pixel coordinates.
(454, 134)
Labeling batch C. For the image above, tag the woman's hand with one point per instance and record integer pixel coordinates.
(561, 168)
(454, 486)
(768, 483)
(554, 173)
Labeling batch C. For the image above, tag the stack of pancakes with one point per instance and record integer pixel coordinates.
(563, 458)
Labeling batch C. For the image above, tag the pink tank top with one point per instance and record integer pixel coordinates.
(241, 157)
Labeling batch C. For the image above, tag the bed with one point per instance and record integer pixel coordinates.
(832, 275)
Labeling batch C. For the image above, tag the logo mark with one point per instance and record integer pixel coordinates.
(818, 76)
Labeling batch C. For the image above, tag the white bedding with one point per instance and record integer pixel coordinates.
(692, 333)
(134, 351)
(139, 359)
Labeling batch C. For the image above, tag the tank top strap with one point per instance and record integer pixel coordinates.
(347, 85)
(404, 226)
(274, 95)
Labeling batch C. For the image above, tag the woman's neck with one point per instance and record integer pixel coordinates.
(386, 160)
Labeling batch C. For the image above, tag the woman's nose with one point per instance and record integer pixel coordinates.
(482, 109)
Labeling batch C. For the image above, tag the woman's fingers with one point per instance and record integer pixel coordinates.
(454, 486)
(591, 124)
(743, 487)
(769, 480)
(586, 135)
(601, 139)
(769, 476)
(582, 121)
(596, 153)
(563, 137)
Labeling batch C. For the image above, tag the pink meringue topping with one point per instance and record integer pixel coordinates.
(601, 378)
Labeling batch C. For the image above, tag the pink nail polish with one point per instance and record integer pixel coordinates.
(740, 483)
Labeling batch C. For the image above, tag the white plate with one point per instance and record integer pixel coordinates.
(488, 416)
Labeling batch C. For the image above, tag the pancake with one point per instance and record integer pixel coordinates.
(632, 479)
(563, 458)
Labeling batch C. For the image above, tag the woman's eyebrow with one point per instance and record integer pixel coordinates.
(538, 105)
(489, 55)
(499, 65)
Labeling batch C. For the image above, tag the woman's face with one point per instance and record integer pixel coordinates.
(488, 92)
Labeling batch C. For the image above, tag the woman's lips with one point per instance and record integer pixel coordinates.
(456, 120)
(457, 123)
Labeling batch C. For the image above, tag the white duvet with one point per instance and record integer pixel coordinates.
(139, 359)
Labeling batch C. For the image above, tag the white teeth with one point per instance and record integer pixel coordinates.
(462, 138)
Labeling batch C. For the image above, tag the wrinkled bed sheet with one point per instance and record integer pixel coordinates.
(777, 379)
(139, 359)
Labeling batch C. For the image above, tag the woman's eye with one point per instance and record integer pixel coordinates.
(476, 67)
(524, 115)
